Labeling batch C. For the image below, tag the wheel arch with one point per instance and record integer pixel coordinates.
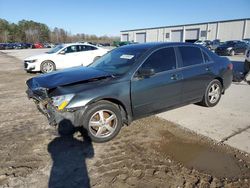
(222, 84)
(47, 60)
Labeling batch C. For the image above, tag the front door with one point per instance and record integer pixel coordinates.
(69, 57)
(159, 91)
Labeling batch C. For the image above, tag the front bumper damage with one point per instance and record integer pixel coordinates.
(53, 115)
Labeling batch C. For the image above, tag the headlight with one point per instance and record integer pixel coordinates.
(31, 61)
(62, 101)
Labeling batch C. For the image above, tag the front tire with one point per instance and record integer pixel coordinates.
(103, 121)
(48, 66)
(212, 94)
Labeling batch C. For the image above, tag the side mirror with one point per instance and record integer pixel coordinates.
(62, 53)
(146, 72)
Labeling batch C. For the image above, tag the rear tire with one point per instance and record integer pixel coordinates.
(103, 121)
(212, 94)
(48, 66)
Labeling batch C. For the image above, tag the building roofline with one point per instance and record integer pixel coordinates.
(212, 22)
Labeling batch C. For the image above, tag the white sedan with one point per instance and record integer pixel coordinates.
(64, 56)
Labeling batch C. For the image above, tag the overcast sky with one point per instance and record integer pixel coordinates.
(109, 17)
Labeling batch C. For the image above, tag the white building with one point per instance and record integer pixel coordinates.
(224, 30)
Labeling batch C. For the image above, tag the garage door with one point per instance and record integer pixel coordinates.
(176, 35)
(192, 34)
(141, 37)
(125, 37)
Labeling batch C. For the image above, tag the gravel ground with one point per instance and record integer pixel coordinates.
(151, 152)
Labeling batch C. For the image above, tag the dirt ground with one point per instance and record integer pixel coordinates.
(151, 152)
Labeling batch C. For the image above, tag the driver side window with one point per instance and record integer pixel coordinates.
(161, 60)
(71, 49)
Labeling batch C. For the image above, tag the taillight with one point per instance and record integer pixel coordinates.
(230, 66)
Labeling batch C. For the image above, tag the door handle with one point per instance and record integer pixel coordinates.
(174, 77)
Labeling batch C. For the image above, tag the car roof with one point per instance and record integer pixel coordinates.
(152, 45)
(78, 43)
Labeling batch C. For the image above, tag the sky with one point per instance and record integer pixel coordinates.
(109, 17)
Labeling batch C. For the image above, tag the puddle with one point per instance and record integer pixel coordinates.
(201, 157)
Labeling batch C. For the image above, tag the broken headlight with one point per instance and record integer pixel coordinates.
(62, 101)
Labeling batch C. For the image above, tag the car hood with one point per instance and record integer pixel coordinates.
(40, 56)
(66, 77)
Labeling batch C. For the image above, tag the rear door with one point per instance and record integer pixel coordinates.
(196, 73)
(162, 90)
(87, 54)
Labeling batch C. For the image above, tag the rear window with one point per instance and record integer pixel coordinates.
(190, 55)
(206, 57)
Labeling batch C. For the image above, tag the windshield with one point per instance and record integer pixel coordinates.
(56, 49)
(119, 60)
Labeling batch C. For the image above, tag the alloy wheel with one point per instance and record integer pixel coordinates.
(103, 123)
(214, 93)
(48, 67)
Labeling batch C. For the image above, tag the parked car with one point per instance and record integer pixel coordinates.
(2, 46)
(63, 56)
(131, 82)
(38, 45)
(27, 45)
(231, 48)
(48, 45)
(200, 42)
(247, 40)
(247, 58)
(212, 45)
(9, 46)
(15, 45)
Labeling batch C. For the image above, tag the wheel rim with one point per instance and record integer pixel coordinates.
(103, 123)
(48, 67)
(214, 93)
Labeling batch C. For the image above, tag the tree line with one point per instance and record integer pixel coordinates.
(30, 31)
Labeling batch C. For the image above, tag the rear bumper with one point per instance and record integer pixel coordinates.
(227, 80)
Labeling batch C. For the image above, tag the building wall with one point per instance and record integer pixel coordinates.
(231, 30)
(211, 32)
(227, 30)
(152, 35)
(247, 31)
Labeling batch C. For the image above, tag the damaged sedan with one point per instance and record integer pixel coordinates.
(131, 82)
